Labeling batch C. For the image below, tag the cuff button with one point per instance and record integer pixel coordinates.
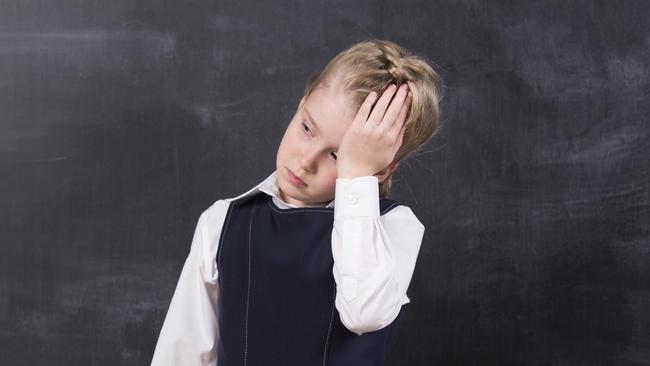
(353, 199)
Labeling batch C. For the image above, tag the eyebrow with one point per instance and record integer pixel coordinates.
(312, 120)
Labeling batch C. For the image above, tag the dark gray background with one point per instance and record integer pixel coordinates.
(121, 121)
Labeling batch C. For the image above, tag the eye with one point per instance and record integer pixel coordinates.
(306, 128)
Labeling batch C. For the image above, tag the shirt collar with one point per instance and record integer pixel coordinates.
(270, 186)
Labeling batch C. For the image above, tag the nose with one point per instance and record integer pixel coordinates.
(309, 160)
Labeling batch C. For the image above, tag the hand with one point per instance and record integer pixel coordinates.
(371, 141)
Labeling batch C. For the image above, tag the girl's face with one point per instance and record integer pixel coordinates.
(309, 148)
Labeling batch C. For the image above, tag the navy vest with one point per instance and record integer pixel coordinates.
(276, 290)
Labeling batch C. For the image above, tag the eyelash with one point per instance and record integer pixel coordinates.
(305, 125)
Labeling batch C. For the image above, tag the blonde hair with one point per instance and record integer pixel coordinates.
(372, 65)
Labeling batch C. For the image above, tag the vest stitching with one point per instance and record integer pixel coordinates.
(248, 296)
(329, 331)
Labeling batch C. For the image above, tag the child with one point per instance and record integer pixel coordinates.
(285, 274)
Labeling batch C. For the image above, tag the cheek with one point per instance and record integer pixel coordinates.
(295, 140)
(289, 142)
(329, 180)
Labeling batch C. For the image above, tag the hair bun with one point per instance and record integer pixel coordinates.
(395, 68)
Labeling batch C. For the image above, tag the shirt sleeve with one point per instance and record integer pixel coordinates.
(189, 334)
(374, 255)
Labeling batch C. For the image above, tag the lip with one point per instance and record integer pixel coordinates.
(294, 179)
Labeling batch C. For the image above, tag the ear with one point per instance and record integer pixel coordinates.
(386, 172)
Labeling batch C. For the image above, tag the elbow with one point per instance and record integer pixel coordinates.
(361, 321)
(359, 327)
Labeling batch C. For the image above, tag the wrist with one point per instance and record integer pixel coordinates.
(349, 172)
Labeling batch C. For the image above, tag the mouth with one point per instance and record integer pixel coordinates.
(294, 179)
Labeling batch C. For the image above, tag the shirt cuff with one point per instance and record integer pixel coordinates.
(357, 197)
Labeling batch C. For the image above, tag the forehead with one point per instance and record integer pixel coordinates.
(329, 109)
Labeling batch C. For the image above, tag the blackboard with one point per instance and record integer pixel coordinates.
(121, 121)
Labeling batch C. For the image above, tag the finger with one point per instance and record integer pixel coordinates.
(365, 109)
(380, 108)
(401, 117)
(395, 107)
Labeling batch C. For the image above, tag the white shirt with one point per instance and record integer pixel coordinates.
(374, 258)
